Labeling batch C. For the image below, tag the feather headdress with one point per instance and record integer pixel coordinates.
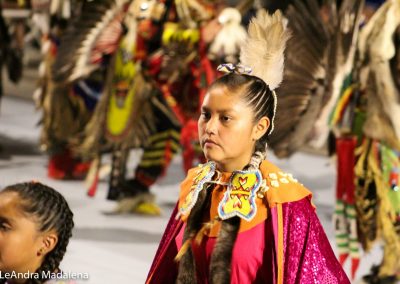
(264, 48)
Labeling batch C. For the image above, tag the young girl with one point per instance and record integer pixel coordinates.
(35, 227)
(240, 218)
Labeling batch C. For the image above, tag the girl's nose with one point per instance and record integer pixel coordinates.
(211, 127)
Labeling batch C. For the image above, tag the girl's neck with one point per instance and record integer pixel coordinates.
(231, 166)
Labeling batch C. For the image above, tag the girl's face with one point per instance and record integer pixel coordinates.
(227, 130)
(20, 242)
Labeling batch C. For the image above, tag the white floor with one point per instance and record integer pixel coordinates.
(119, 249)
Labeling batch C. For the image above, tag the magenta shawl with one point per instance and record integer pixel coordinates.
(307, 254)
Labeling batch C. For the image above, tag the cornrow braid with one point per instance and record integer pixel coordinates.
(52, 212)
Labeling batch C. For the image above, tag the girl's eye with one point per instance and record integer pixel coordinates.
(205, 115)
(4, 227)
(225, 118)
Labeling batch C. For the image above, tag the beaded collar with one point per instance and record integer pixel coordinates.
(239, 199)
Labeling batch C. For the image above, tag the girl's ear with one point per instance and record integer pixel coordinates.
(260, 128)
(49, 242)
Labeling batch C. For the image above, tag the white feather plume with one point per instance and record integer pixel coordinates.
(264, 48)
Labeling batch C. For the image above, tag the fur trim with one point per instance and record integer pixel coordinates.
(187, 266)
(221, 259)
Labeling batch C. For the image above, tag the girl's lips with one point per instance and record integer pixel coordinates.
(209, 143)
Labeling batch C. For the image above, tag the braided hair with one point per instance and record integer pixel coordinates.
(52, 212)
(260, 98)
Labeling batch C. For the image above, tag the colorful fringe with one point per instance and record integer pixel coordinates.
(346, 92)
(376, 206)
(345, 213)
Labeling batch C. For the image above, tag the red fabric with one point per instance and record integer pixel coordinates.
(355, 262)
(145, 178)
(93, 187)
(345, 186)
(342, 258)
(164, 269)
(64, 166)
(59, 165)
(189, 135)
(253, 258)
(308, 257)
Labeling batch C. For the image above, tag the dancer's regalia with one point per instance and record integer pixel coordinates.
(365, 120)
(4, 43)
(284, 243)
(138, 108)
(377, 169)
(251, 226)
(133, 113)
(320, 57)
(340, 81)
(171, 68)
(10, 54)
(67, 104)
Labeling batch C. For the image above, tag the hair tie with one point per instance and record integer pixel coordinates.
(234, 68)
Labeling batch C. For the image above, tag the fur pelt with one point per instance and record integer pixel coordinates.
(187, 266)
(220, 266)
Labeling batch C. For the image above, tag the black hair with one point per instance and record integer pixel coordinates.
(51, 212)
(256, 93)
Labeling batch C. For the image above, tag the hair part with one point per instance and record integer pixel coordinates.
(50, 211)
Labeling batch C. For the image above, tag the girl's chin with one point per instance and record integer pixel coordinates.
(211, 157)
